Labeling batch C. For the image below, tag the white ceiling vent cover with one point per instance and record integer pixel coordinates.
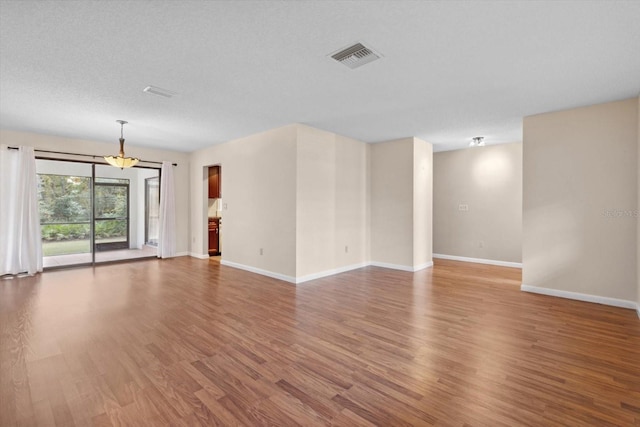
(155, 90)
(355, 56)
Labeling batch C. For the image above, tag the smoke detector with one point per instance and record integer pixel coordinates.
(356, 56)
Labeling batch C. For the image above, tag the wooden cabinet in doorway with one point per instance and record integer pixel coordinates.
(215, 180)
(214, 236)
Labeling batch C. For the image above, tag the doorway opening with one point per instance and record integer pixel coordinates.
(214, 210)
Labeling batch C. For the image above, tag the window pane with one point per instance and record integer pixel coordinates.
(64, 199)
(63, 239)
(109, 231)
(64, 202)
(111, 201)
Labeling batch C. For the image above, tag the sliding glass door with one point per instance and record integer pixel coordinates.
(65, 201)
(92, 213)
(111, 213)
(152, 210)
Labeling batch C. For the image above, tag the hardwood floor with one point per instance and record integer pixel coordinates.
(191, 342)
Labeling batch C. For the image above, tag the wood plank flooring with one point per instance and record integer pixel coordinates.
(190, 342)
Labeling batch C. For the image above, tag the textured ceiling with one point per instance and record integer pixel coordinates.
(450, 70)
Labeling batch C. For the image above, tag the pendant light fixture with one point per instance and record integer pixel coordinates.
(121, 161)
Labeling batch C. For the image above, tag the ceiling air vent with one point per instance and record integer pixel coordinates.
(159, 91)
(355, 56)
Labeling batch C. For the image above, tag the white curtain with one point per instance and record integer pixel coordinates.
(20, 239)
(167, 232)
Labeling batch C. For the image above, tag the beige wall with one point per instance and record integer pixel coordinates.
(422, 203)
(297, 192)
(259, 192)
(488, 180)
(638, 219)
(401, 203)
(580, 170)
(181, 172)
(392, 202)
(331, 205)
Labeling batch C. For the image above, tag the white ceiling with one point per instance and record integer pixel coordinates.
(450, 70)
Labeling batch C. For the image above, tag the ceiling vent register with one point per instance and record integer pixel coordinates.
(155, 90)
(355, 56)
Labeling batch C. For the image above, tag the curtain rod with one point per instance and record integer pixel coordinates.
(84, 155)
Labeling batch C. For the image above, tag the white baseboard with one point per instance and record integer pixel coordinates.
(401, 267)
(326, 273)
(422, 266)
(479, 260)
(267, 273)
(392, 266)
(197, 255)
(174, 255)
(581, 297)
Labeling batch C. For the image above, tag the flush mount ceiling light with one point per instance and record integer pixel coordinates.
(477, 141)
(121, 161)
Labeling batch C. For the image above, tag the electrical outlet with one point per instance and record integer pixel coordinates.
(481, 244)
(261, 251)
(463, 207)
(224, 206)
(346, 249)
